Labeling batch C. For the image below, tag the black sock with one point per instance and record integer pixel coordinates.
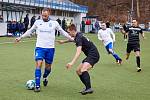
(138, 61)
(81, 78)
(126, 36)
(86, 79)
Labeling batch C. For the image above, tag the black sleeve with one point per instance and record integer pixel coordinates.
(141, 31)
(126, 29)
(79, 42)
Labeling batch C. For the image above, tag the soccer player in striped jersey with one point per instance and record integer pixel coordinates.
(107, 36)
(134, 42)
(45, 45)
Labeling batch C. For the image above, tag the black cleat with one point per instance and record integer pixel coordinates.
(45, 81)
(139, 69)
(119, 62)
(87, 91)
(37, 89)
(127, 57)
(82, 90)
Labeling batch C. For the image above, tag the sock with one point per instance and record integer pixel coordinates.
(86, 79)
(81, 78)
(116, 56)
(125, 36)
(46, 72)
(37, 76)
(138, 61)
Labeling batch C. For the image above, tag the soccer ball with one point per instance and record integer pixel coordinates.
(30, 84)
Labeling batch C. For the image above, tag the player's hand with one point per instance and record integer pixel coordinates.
(17, 39)
(69, 65)
(144, 38)
(60, 41)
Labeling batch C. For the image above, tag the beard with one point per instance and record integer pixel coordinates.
(45, 20)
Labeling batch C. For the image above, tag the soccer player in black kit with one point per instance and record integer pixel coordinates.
(134, 42)
(92, 57)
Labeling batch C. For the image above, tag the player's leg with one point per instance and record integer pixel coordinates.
(38, 75)
(78, 71)
(127, 56)
(55, 32)
(128, 50)
(49, 55)
(47, 71)
(83, 69)
(86, 78)
(109, 47)
(118, 59)
(137, 54)
(39, 61)
(58, 33)
(125, 37)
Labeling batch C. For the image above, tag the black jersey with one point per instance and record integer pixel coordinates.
(87, 46)
(133, 34)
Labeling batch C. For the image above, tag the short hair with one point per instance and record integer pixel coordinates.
(134, 20)
(46, 9)
(103, 23)
(72, 27)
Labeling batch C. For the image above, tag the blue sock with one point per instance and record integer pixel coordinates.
(46, 72)
(116, 56)
(37, 76)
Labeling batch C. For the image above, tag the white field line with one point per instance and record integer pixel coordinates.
(12, 42)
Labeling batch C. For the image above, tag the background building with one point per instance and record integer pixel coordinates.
(16, 10)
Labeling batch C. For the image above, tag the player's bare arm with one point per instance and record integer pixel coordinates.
(143, 35)
(27, 33)
(78, 52)
(63, 41)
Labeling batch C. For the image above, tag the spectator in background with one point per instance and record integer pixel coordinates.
(83, 26)
(21, 28)
(125, 35)
(57, 32)
(64, 24)
(68, 22)
(32, 21)
(71, 22)
(14, 27)
(1, 19)
(39, 17)
(26, 22)
(97, 26)
(107, 24)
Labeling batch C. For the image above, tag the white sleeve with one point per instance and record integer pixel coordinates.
(113, 35)
(99, 36)
(30, 31)
(58, 27)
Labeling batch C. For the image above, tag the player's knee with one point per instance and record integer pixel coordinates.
(48, 66)
(137, 53)
(83, 70)
(78, 72)
(39, 63)
(111, 51)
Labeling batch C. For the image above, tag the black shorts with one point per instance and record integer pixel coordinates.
(135, 47)
(92, 59)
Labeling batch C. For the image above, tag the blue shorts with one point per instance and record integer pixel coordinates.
(46, 54)
(109, 46)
